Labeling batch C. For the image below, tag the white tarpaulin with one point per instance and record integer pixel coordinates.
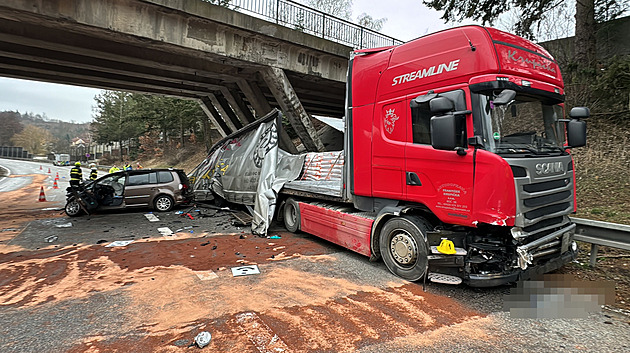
(248, 168)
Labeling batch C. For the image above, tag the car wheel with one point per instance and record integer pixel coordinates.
(163, 203)
(404, 248)
(73, 208)
(291, 215)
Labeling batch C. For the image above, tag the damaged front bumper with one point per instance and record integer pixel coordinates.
(493, 280)
(557, 242)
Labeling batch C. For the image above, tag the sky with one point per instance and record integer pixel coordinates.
(406, 20)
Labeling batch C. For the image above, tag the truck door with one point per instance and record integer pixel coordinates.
(441, 180)
(388, 148)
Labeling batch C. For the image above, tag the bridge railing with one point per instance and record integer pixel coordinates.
(308, 20)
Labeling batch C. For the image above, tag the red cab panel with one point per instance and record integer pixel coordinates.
(388, 149)
(494, 200)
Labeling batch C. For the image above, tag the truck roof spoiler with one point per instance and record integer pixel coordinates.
(372, 50)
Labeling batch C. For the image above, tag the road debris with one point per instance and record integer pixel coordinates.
(165, 231)
(119, 243)
(51, 238)
(245, 270)
(151, 217)
(64, 225)
(206, 275)
(242, 219)
(261, 335)
(203, 339)
(275, 237)
(9, 229)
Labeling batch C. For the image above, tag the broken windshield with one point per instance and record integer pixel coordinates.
(524, 125)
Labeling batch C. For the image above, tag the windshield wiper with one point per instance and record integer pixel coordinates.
(512, 148)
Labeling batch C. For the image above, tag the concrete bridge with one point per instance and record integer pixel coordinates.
(237, 66)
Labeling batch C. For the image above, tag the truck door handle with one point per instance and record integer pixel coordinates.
(413, 179)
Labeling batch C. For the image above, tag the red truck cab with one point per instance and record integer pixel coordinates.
(462, 133)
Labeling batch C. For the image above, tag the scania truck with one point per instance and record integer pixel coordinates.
(456, 161)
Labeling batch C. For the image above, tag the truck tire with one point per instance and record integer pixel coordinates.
(404, 248)
(291, 215)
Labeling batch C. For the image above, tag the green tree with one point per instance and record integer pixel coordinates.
(34, 139)
(367, 21)
(114, 119)
(11, 125)
(587, 14)
(337, 8)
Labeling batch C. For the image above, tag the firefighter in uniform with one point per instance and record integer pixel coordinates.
(76, 174)
(93, 173)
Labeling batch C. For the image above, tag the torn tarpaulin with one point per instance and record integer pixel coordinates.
(248, 168)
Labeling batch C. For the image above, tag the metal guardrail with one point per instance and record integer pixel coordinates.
(601, 233)
(308, 20)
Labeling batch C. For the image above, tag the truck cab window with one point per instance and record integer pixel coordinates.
(421, 122)
(527, 125)
(421, 118)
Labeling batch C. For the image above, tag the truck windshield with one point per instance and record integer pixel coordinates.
(525, 125)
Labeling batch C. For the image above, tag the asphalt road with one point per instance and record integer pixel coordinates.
(75, 294)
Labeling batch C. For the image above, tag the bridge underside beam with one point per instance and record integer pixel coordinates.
(213, 115)
(289, 102)
(238, 105)
(261, 106)
(49, 47)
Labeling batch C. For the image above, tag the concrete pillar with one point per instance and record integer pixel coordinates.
(290, 104)
(257, 99)
(213, 115)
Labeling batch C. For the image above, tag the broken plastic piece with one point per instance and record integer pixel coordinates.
(275, 237)
(165, 231)
(203, 339)
(64, 225)
(119, 243)
(151, 217)
(51, 238)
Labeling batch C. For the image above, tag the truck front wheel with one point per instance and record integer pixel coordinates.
(404, 248)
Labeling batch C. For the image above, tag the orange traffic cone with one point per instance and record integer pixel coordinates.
(57, 176)
(48, 170)
(42, 196)
(55, 186)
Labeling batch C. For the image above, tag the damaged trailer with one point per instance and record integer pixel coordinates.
(458, 170)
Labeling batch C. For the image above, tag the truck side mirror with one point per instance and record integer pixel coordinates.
(580, 113)
(576, 132)
(505, 97)
(444, 132)
(441, 105)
